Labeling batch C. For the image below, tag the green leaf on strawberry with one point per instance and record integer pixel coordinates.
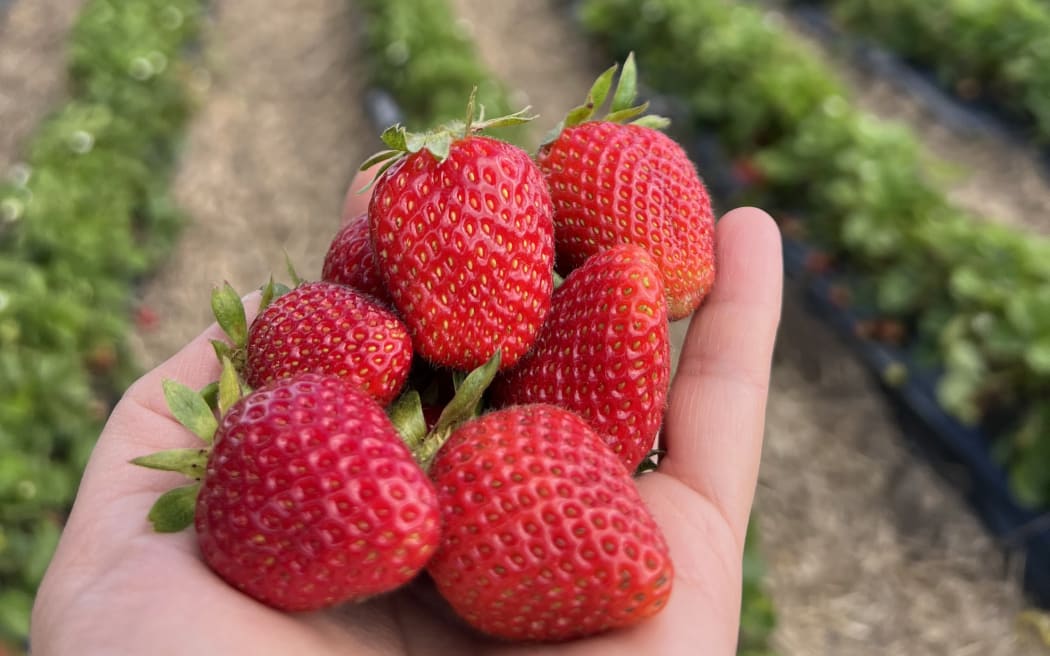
(406, 413)
(190, 409)
(622, 108)
(465, 405)
(174, 510)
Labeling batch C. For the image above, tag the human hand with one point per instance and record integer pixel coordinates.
(116, 587)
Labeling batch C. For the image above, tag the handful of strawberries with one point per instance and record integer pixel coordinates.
(443, 400)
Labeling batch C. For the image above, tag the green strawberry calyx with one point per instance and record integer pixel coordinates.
(406, 413)
(229, 313)
(438, 142)
(174, 510)
(622, 107)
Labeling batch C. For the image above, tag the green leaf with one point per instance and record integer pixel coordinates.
(627, 114)
(1037, 356)
(406, 413)
(229, 386)
(174, 510)
(558, 280)
(439, 145)
(626, 88)
(600, 89)
(395, 137)
(189, 409)
(551, 136)
(221, 348)
(415, 141)
(210, 394)
(578, 115)
(520, 117)
(229, 313)
(381, 156)
(188, 462)
(269, 292)
(653, 122)
(296, 280)
(464, 405)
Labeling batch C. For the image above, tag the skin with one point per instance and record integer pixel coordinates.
(116, 587)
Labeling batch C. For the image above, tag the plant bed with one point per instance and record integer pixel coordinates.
(980, 114)
(990, 54)
(84, 218)
(962, 454)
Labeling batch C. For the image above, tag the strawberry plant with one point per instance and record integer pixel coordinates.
(992, 52)
(83, 218)
(428, 62)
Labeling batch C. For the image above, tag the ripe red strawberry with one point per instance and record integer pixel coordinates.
(351, 261)
(614, 183)
(309, 497)
(461, 226)
(545, 535)
(603, 353)
(324, 327)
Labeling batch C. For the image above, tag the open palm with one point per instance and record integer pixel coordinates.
(116, 587)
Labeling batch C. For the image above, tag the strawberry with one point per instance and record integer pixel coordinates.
(545, 536)
(324, 327)
(309, 497)
(603, 353)
(461, 225)
(351, 261)
(616, 183)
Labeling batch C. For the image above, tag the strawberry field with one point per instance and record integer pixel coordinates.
(184, 143)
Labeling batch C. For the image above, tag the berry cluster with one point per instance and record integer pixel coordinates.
(444, 401)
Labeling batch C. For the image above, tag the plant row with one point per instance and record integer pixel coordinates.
(417, 52)
(427, 60)
(81, 220)
(970, 299)
(996, 52)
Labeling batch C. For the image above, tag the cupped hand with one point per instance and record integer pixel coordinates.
(116, 587)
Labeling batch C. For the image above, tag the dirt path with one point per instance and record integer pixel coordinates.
(268, 156)
(869, 552)
(33, 37)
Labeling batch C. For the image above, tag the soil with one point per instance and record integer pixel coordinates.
(267, 160)
(33, 38)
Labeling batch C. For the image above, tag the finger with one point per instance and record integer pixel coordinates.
(717, 402)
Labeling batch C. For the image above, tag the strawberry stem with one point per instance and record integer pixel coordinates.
(464, 406)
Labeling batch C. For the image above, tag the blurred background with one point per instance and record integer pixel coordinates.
(150, 149)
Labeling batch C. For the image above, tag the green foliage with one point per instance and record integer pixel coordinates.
(757, 615)
(80, 223)
(998, 50)
(976, 293)
(417, 51)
